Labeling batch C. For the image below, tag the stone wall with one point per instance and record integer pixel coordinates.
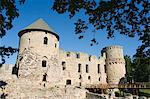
(82, 69)
(44, 70)
(33, 91)
(90, 95)
(37, 60)
(115, 64)
(6, 72)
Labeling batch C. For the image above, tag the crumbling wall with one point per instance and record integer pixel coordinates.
(90, 95)
(33, 51)
(6, 69)
(88, 73)
(36, 92)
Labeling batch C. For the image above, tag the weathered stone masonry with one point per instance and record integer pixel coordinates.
(42, 64)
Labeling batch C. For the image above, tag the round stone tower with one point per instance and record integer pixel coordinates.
(115, 64)
(39, 53)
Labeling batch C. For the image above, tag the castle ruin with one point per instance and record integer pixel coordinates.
(43, 70)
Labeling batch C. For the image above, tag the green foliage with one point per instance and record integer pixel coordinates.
(8, 12)
(142, 63)
(128, 17)
(128, 65)
(6, 52)
(138, 68)
(146, 91)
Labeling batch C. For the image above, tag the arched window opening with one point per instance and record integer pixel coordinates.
(44, 63)
(44, 77)
(45, 40)
(99, 79)
(89, 77)
(68, 82)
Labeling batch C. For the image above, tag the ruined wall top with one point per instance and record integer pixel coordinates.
(114, 47)
(113, 52)
(86, 56)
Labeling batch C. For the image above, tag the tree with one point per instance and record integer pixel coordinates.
(128, 17)
(6, 52)
(129, 67)
(138, 68)
(8, 12)
(141, 63)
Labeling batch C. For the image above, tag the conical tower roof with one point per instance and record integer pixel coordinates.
(39, 25)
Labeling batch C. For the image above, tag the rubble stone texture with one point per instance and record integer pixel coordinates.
(44, 71)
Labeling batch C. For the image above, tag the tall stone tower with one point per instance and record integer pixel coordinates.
(115, 64)
(39, 53)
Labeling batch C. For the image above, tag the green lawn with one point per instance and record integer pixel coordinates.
(145, 92)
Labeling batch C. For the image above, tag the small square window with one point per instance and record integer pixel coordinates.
(99, 79)
(63, 63)
(43, 63)
(68, 82)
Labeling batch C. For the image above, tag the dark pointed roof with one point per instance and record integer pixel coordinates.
(39, 25)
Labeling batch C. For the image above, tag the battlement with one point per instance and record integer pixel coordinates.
(80, 55)
(114, 47)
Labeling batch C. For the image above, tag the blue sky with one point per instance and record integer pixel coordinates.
(35, 9)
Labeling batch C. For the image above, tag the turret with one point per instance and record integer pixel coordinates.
(115, 64)
(39, 53)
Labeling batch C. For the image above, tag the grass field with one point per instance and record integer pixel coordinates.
(145, 92)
